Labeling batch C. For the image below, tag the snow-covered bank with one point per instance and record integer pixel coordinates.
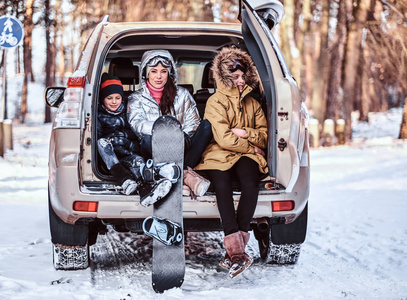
(24, 169)
(356, 245)
(379, 125)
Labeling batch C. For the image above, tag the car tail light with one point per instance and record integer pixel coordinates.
(69, 111)
(283, 205)
(76, 82)
(90, 206)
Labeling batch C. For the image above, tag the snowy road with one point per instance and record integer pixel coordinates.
(356, 247)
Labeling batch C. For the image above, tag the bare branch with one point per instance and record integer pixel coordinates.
(386, 3)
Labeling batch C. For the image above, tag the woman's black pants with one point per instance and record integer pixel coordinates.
(194, 146)
(246, 171)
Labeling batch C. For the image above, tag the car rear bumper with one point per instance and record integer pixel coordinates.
(65, 188)
(111, 204)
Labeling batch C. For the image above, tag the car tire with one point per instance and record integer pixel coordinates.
(281, 244)
(277, 254)
(70, 243)
(283, 254)
(70, 257)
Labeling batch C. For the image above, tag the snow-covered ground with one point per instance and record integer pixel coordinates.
(356, 247)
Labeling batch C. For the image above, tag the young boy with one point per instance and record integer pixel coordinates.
(119, 148)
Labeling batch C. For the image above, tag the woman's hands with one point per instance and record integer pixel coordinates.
(259, 151)
(241, 133)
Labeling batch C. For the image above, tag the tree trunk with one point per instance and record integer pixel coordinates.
(202, 11)
(50, 54)
(352, 56)
(297, 13)
(321, 72)
(61, 63)
(289, 45)
(28, 28)
(27, 49)
(403, 127)
(133, 11)
(335, 73)
(18, 59)
(365, 102)
(57, 24)
(306, 50)
(286, 27)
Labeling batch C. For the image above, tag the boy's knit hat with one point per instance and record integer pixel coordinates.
(110, 85)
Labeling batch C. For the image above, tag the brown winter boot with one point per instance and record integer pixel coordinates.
(226, 262)
(246, 237)
(197, 184)
(235, 249)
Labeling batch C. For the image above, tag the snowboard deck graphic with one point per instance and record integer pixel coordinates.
(168, 260)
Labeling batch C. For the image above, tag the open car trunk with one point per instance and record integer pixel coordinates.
(279, 88)
(193, 54)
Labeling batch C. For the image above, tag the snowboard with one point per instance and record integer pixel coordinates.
(168, 260)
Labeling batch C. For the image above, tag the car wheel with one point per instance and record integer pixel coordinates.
(70, 243)
(278, 254)
(281, 244)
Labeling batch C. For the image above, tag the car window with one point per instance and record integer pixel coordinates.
(191, 73)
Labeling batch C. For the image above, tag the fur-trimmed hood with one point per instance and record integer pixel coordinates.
(223, 61)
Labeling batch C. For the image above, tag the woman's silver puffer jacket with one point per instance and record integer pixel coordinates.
(143, 110)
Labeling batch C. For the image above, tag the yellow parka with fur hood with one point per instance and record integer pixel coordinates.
(227, 109)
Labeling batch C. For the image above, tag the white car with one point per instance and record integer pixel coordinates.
(83, 199)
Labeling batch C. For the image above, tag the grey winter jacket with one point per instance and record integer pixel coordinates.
(143, 110)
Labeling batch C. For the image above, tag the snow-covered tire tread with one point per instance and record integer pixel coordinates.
(70, 257)
(283, 254)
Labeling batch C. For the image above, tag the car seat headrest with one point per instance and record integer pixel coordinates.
(207, 77)
(123, 68)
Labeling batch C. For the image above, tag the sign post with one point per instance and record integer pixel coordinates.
(11, 34)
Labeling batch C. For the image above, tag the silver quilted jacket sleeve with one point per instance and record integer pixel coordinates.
(142, 111)
(185, 111)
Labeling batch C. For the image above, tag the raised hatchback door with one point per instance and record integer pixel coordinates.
(280, 88)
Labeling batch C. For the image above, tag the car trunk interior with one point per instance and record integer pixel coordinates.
(193, 54)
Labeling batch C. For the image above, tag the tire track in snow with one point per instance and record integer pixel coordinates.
(120, 259)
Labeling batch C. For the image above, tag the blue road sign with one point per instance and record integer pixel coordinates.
(11, 32)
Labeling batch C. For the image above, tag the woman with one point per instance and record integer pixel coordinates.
(239, 129)
(159, 96)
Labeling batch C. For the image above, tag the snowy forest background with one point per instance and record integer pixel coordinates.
(349, 56)
(349, 59)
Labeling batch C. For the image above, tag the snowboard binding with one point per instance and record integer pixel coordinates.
(163, 230)
(151, 173)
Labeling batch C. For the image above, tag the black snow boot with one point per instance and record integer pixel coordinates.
(124, 178)
(151, 192)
